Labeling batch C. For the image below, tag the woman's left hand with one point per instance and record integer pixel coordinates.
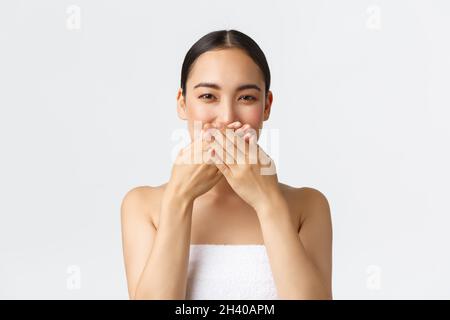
(248, 169)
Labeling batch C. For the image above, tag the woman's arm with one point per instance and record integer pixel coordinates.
(156, 261)
(300, 261)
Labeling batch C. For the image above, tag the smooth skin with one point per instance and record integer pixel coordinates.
(216, 202)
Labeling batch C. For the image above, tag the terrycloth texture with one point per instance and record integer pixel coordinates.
(229, 272)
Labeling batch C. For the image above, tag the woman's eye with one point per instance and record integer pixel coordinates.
(206, 96)
(248, 98)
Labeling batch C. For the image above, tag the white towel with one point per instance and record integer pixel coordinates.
(229, 272)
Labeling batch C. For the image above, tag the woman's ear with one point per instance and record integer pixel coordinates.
(181, 105)
(268, 105)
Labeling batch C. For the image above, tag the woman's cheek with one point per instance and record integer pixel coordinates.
(254, 118)
(200, 113)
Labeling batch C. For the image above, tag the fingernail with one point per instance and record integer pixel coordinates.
(206, 135)
(234, 124)
(242, 130)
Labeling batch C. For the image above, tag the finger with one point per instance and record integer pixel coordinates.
(250, 137)
(207, 136)
(206, 132)
(234, 125)
(241, 130)
(231, 142)
(207, 125)
(253, 140)
(236, 145)
(246, 132)
(208, 157)
(202, 143)
(196, 152)
(221, 165)
(223, 146)
(205, 128)
(237, 139)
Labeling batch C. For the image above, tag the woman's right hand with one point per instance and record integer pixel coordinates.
(194, 173)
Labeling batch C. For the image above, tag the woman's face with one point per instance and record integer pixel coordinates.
(224, 86)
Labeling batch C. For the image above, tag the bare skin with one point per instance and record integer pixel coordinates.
(214, 221)
(218, 220)
(208, 204)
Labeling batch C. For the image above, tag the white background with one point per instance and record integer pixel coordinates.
(361, 90)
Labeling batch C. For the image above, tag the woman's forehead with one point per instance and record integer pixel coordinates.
(225, 67)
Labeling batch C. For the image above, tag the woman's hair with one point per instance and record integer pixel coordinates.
(223, 39)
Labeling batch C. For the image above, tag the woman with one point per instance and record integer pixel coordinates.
(222, 229)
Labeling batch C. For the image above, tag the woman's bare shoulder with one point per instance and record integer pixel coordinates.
(301, 199)
(300, 193)
(143, 202)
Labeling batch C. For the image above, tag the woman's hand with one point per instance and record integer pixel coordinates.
(244, 164)
(194, 172)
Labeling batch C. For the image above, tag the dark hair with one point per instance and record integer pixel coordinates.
(220, 40)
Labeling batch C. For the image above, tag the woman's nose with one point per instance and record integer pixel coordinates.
(227, 115)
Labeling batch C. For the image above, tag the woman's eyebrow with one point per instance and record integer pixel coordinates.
(207, 85)
(216, 86)
(248, 86)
